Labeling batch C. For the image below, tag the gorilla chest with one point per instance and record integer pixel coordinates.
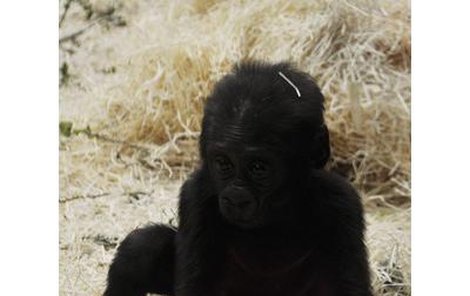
(282, 271)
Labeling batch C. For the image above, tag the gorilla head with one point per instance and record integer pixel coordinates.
(263, 130)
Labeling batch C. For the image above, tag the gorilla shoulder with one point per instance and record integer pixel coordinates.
(336, 198)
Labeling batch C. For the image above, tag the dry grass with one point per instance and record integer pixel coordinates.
(137, 77)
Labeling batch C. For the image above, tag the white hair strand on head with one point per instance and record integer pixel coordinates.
(290, 82)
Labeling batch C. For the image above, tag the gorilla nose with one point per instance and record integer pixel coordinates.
(238, 206)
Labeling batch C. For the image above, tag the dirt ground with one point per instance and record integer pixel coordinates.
(129, 132)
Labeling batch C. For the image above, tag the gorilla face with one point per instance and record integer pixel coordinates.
(247, 179)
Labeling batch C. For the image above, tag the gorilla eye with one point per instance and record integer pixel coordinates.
(223, 164)
(258, 169)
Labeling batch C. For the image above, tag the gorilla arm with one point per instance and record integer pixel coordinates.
(342, 235)
(197, 240)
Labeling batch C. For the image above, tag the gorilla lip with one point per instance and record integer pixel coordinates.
(243, 223)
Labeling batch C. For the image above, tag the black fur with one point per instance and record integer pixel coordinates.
(144, 263)
(259, 216)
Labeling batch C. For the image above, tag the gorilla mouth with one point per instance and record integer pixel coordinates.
(242, 218)
(242, 222)
(245, 224)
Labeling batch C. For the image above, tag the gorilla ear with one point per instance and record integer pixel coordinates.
(321, 154)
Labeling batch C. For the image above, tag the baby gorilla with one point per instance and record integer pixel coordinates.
(259, 216)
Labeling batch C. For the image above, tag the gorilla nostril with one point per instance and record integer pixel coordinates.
(227, 201)
(237, 202)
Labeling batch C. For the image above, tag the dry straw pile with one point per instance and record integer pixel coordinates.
(135, 77)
